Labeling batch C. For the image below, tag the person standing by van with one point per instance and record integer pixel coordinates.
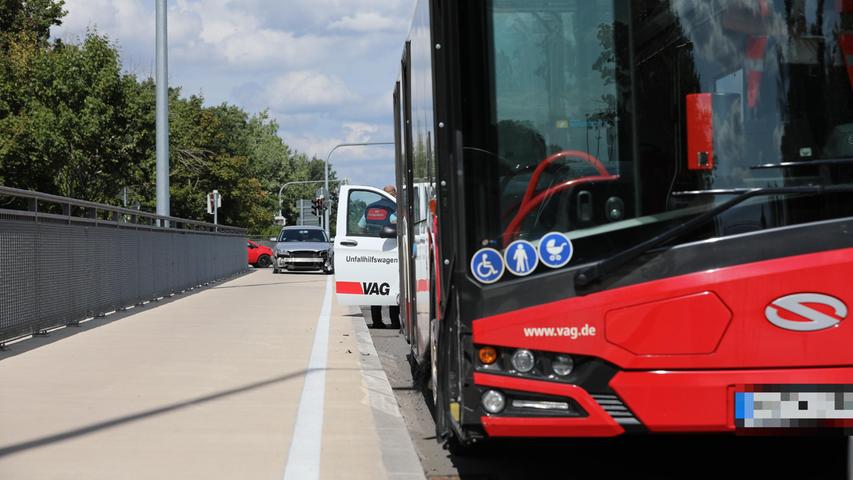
(393, 310)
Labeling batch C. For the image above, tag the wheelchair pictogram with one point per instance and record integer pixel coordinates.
(487, 265)
(485, 268)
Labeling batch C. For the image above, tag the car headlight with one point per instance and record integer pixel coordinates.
(283, 253)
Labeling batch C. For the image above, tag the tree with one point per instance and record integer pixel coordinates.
(72, 124)
(70, 121)
(30, 19)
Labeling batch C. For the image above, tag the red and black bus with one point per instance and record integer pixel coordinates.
(628, 215)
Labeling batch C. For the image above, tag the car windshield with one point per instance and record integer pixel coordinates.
(302, 235)
(612, 120)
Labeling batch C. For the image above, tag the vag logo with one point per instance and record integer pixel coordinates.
(806, 312)
(373, 288)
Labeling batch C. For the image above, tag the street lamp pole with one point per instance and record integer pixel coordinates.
(162, 126)
(326, 173)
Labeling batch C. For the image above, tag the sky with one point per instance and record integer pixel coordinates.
(324, 69)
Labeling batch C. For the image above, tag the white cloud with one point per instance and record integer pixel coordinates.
(368, 22)
(264, 48)
(368, 165)
(130, 22)
(309, 143)
(306, 90)
(324, 68)
(349, 132)
(358, 132)
(376, 171)
(212, 30)
(318, 15)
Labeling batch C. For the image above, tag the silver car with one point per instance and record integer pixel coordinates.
(303, 248)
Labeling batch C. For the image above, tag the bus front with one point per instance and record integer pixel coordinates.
(654, 217)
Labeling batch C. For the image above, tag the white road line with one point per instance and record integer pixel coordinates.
(303, 461)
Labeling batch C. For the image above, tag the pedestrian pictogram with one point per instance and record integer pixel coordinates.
(521, 258)
(487, 265)
(555, 250)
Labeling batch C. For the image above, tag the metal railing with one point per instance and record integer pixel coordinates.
(64, 260)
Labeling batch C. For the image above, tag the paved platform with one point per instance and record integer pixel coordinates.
(264, 376)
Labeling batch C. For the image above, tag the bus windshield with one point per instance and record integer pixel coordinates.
(612, 120)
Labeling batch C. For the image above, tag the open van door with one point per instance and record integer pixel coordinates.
(366, 262)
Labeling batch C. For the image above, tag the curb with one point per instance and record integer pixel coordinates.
(399, 458)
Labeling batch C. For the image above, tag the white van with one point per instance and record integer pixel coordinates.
(366, 261)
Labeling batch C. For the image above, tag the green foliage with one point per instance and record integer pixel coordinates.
(224, 148)
(30, 18)
(69, 120)
(71, 123)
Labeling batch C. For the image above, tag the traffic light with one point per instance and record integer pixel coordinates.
(317, 206)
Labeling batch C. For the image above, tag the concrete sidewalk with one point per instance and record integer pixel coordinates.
(206, 386)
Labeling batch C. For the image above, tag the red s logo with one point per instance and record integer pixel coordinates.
(807, 318)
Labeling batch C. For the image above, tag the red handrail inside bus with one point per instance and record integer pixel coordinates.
(529, 201)
(534, 179)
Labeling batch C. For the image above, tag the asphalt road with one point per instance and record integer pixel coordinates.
(639, 457)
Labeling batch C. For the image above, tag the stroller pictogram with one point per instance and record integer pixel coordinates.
(555, 252)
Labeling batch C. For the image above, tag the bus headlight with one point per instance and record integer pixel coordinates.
(493, 401)
(523, 360)
(563, 365)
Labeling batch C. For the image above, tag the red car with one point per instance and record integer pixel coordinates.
(259, 255)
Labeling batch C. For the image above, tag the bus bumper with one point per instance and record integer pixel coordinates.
(667, 401)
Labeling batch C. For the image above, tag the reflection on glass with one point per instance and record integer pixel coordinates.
(303, 235)
(591, 108)
(368, 212)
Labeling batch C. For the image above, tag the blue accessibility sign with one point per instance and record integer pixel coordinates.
(487, 265)
(555, 250)
(521, 258)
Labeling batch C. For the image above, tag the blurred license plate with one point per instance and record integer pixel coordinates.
(794, 406)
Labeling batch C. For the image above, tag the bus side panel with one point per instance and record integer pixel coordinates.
(423, 165)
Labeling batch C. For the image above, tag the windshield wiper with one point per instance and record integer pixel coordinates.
(713, 192)
(599, 269)
(809, 163)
